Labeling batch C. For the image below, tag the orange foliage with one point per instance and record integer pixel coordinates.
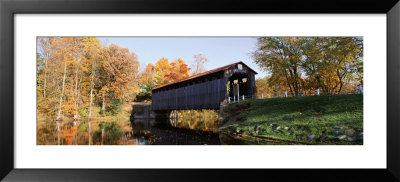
(178, 70)
(166, 72)
(162, 69)
(147, 75)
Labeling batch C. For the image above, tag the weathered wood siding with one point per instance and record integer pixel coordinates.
(203, 95)
(251, 84)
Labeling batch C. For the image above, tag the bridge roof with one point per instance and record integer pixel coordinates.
(223, 68)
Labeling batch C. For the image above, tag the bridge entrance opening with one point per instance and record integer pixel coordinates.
(237, 86)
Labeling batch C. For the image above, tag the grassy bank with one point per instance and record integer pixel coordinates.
(304, 120)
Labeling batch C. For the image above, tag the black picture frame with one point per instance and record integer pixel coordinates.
(9, 8)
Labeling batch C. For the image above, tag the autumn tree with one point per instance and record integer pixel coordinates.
(331, 62)
(282, 57)
(48, 74)
(44, 50)
(307, 63)
(147, 83)
(65, 52)
(46, 83)
(148, 73)
(262, 87)
(162, 69)
(72, 72)
(178, 70)
(344, 55)
(120, 74)
(92, 58)
(163, 72)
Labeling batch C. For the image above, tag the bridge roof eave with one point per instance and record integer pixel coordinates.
(204, 74)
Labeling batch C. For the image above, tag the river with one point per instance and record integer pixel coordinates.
(136, 132)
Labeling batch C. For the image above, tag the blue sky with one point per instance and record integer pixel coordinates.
(219, 51)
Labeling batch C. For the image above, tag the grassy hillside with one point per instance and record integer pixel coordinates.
(304, 120)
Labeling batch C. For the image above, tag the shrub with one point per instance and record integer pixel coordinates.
(83, 113)
(104, 112)
(83, 127)
(114, 106)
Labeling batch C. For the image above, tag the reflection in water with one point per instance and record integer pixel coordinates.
(204, 120)
(171, 131)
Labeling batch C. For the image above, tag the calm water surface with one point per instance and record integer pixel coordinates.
(136, 132)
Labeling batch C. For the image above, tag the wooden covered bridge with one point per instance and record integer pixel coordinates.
(206, 90)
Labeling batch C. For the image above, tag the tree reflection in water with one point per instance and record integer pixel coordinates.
(174, 131)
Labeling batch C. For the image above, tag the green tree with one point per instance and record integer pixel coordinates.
(307, 63)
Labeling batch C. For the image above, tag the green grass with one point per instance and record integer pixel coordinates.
(301, 116)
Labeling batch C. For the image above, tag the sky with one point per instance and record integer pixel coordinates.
(220, 51)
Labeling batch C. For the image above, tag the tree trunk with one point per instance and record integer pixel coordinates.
(293, 82)
(76, 95)
(340, 80)
(340, 87)
(318, 80)
(91, 96)
(58, 133)
(45, 80)
(296, 81)
(62, 92)
(46, 55)
(288, 82)
(79, 95)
